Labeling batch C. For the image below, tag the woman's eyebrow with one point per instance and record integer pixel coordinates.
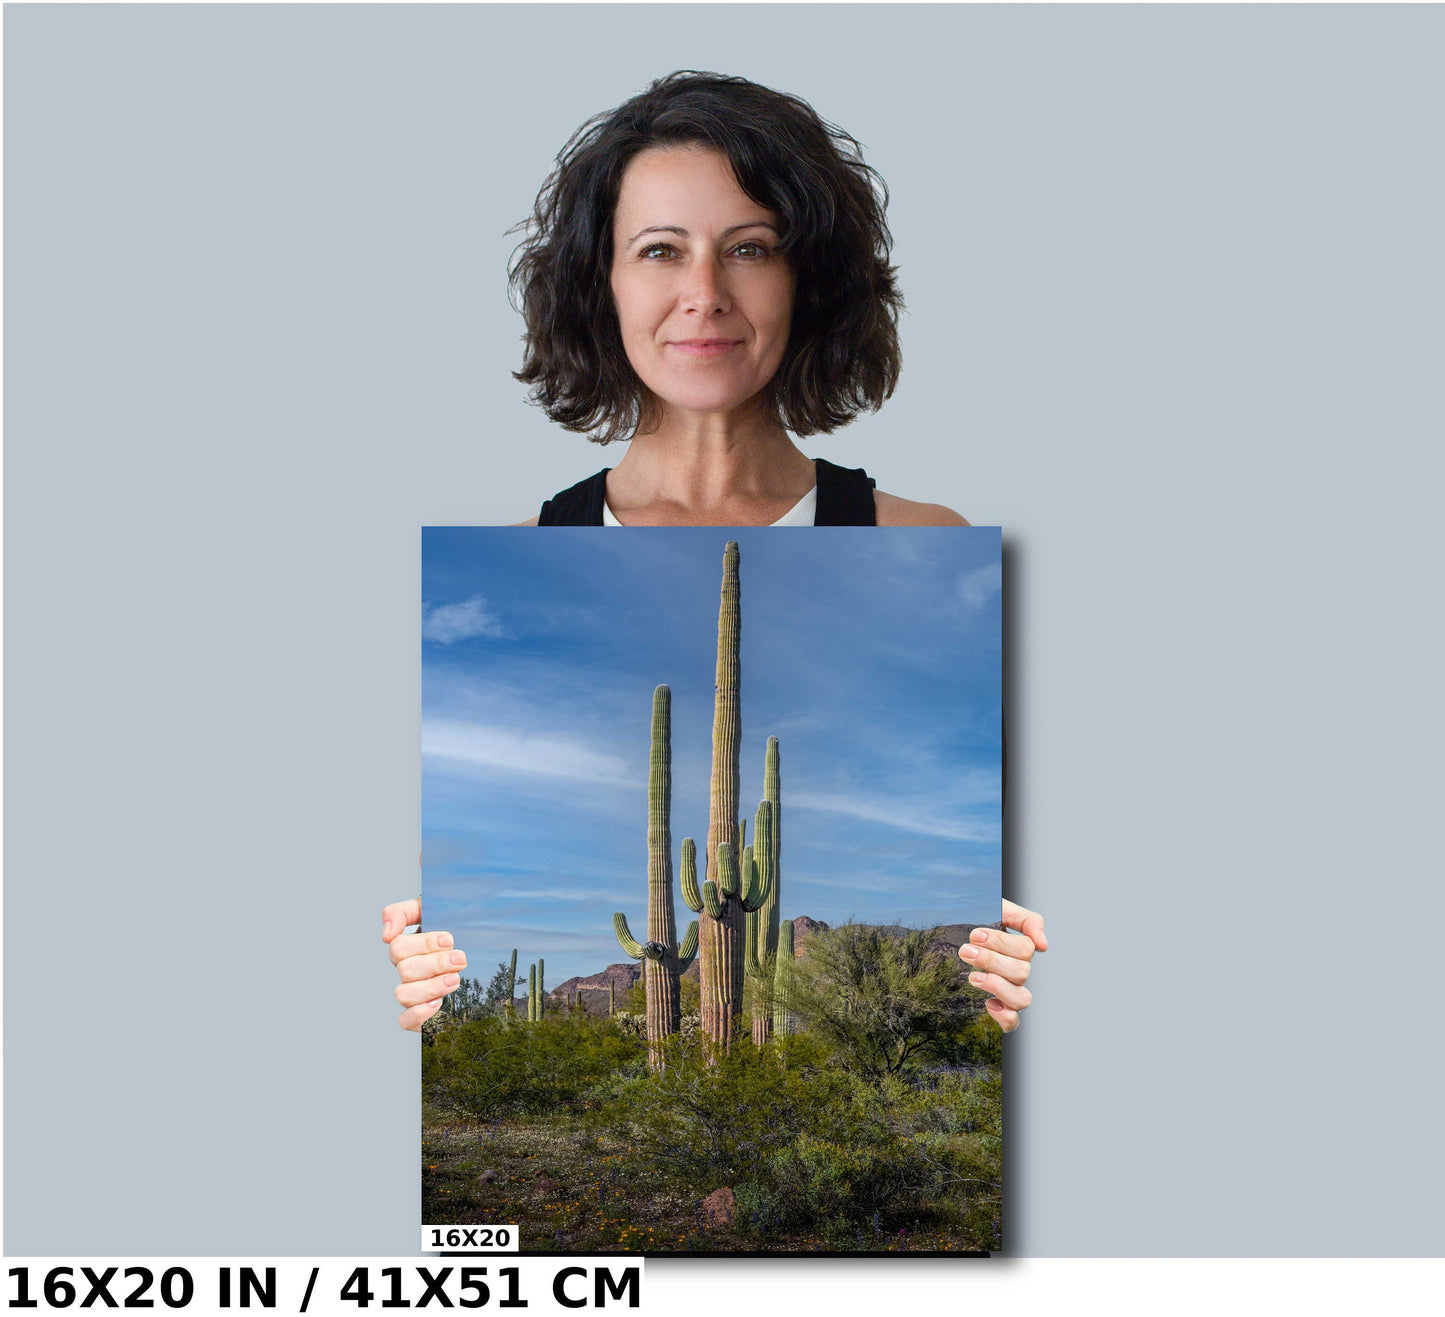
(683, 233)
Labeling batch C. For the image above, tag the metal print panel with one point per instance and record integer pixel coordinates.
(710, 812)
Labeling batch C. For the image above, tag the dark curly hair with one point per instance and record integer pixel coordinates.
(842, 355)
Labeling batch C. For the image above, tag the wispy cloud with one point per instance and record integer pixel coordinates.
(893, 815)
(559, 894)
(499, 749)
(977, 587)
(447, 623)
(850, 884)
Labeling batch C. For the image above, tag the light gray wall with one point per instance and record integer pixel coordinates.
(1175, 280)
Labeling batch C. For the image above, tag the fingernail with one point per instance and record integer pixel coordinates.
(978, 935)
(968, 953)
(385, 927)
(452, 980)
(444, 939)
(977, 979)
(459, 957)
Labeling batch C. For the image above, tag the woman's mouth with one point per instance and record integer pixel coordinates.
(705, 347)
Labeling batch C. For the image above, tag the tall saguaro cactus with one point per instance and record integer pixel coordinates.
(541, 989)
(762, 926)
(532, 994)
(721, 931)
(512, 986)
(663, 961)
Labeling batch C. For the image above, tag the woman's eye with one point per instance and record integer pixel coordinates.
(656, 249)
(750, 250)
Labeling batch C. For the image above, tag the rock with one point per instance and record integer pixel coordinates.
(489, 1177)
(719, 1208)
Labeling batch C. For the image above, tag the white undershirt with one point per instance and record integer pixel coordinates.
(802, 513)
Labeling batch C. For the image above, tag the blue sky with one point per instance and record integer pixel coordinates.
(873, 655)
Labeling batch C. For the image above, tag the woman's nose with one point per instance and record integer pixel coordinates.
(705, 288)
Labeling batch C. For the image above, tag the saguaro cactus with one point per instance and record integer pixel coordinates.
(721, 931)
(726, 902)
(541, 988)
(512, 986)
(782, 1015)
(762, 926)
(611, 997)
(532, 994)
(663, 961)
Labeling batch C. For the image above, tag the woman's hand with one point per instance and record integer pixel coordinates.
(1001, 962)
(428, 964)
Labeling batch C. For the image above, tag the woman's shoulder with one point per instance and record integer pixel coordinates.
(895, 511)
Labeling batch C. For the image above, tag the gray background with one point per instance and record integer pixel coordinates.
(1175, 283)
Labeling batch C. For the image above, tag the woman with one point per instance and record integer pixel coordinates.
(705, 272)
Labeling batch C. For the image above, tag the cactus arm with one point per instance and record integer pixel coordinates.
(690, 892)
(711, 899)
(750, 896)
(752, 967)
(687, 952)
(630, 945)
(727, 872)
(760, 875)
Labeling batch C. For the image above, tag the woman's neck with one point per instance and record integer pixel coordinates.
(709, 470)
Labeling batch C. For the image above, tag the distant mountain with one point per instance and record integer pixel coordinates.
(593, 988)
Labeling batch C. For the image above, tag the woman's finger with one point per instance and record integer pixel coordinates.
(398, 917)
(980, 957)
(423, 990)
(1014, 945)
(418, 944)
(415, 1016)
(1007, 1020)
(1011, 994)
(1028, 922)
(433, 965)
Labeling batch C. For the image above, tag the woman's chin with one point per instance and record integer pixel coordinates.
(709, 401)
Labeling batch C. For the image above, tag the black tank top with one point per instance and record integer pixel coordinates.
(845, 498)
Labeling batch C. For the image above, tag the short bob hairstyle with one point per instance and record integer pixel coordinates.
(842, 355)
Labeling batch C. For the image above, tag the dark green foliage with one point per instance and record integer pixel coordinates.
(709, 1116)
(495, 1067)
(882, 999)
(978, 1042)
(809, 1148)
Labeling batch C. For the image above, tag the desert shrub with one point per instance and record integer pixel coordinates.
(882, 999)
(709, 1118)
(497, 1066)
(942, 1102)
(977, 1041)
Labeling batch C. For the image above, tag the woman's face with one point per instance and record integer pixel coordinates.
(703, 296)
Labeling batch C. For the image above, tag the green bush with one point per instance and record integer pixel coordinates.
(825, 1182)
(499, 1066)
(709, 1118)
(883, 999)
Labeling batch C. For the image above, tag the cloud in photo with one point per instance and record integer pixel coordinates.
(496, 749)
(445, 624)
(979, 585)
